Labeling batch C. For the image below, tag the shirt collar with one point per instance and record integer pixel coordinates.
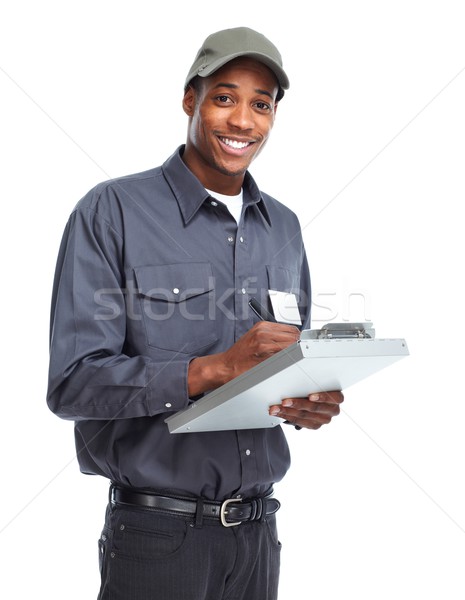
(190, 193)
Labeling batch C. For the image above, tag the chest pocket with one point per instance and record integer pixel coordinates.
(283, 280)
(175, 305)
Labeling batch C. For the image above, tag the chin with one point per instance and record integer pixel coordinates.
(232, 170)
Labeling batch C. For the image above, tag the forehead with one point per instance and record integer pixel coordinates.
(245, 68)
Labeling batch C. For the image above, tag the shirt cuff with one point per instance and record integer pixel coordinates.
(167, 386)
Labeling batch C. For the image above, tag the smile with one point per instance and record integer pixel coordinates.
(235, 144)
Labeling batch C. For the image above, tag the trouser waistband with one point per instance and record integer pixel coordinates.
(230, 512)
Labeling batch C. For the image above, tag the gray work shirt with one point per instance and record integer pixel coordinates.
(153, 272)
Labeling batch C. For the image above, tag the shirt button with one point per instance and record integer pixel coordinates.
(243, 291)
(230, 239)
(248, 452)
(241, 239)
(168, 404)
(175, 290)
(213, 203)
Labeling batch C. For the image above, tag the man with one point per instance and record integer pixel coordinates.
(150, 311)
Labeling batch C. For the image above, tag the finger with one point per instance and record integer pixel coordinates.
(309, 421)
(316, 414)
(313, 422)
(307, 405)
(267, 342)
(283, 327)
(320, 412)
(274, 331)
(267, 330)
(334, 397)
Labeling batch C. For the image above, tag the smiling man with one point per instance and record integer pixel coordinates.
(231, 116)
(150, 310)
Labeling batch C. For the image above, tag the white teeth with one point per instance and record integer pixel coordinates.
(234, 144)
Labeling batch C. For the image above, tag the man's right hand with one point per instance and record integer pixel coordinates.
(261, 341)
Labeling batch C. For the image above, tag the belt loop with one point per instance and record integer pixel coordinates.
(110, 493)
(253, 510)
(199, 513)
(257, 509)
(260, 513)
(262, 516)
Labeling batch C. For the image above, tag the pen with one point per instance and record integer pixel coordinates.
(260, 311)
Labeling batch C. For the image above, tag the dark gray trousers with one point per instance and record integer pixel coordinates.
(147, 555)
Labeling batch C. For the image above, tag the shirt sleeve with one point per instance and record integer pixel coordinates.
(91, 375)
(305, 295)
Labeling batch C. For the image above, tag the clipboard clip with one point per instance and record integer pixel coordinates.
(342, 331)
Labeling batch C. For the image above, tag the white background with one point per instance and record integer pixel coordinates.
(368, 149)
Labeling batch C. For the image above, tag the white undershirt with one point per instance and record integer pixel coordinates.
(233, 203)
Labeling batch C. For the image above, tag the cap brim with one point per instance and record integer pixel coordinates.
(279, 72)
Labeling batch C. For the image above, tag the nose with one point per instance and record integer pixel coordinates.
(242, 117)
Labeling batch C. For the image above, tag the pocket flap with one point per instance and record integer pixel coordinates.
(174, 283)
(282, 279)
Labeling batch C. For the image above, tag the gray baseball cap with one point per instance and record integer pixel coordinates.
(223, 46)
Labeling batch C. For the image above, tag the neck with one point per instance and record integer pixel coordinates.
(212, 177)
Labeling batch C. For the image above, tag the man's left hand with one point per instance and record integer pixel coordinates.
(311, 412)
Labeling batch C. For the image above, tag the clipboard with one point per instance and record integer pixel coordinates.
(332, 358)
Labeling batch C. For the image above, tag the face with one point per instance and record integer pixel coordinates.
(231, 115)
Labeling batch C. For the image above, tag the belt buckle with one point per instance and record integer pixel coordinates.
(224, 512)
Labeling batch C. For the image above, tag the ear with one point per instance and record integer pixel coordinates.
(188, 101)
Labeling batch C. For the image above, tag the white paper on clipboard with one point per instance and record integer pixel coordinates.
(310, 365)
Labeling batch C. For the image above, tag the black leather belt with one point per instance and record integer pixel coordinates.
(230, 512)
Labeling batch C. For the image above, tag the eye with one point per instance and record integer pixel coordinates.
(264, 106)
(223, 99)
